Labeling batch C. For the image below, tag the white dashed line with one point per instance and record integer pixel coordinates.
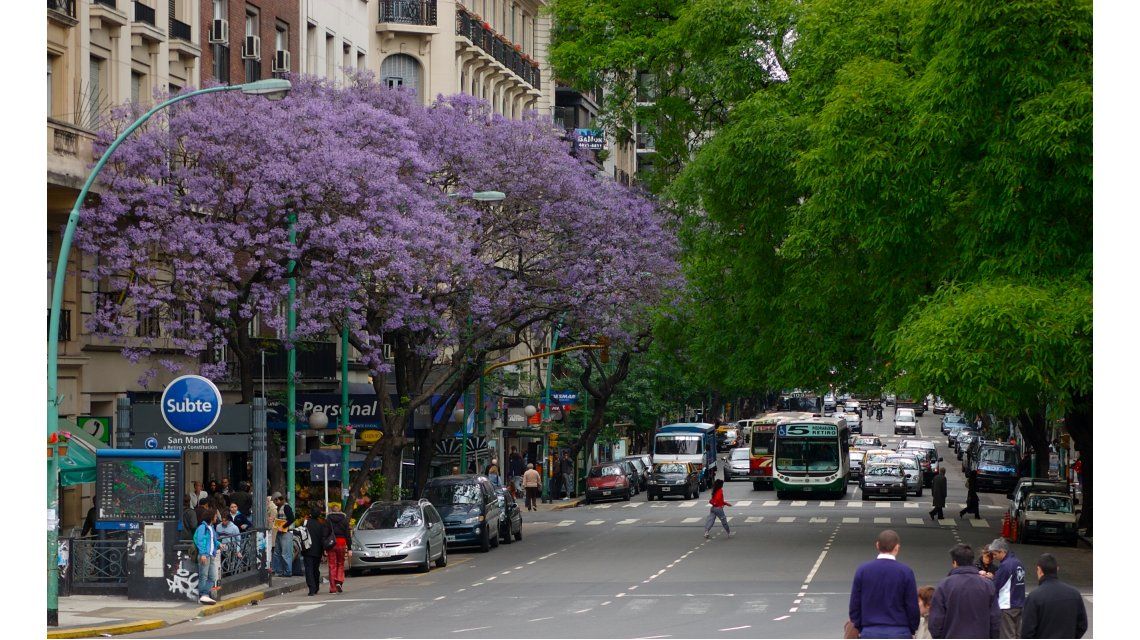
(628, 521)
(882, 505)
(819, 520)
(754, 519)
(799, 503)
(744, 503)
(541, 619)
(781, 618)
(564, 523)
(594, 523)
(882, 520)
(851, 521)
(747, 626)
(981, 524)
(471, 629)
(855, 504)
(441, 597)
(914, 521)
(771, 503)
(687, 503)
(827, 503)
(690, 520)
(786, 519)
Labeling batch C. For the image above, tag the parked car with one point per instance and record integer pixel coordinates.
(883, 480)
(510, 522)
(469, 508)
(911, 469)
(864, 441)
(642, 471)
(608, 481)
(963, 440)
(634, 475)
(941, 406)
(1046, 515)
(405, 533)
(951, 419)
(737, 464)
(905, 422)
(996, 464)
(952, 433)
(673, 479)
(855, 465)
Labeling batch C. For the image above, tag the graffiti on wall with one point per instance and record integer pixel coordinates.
(182, 581)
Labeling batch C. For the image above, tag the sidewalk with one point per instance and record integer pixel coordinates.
(94, 616)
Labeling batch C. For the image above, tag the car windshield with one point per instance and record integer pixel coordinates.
(761, 442)
(1003, 456)
(454, 493)
(807, 454)
(867, 442)
(1056, 504)
(390, 517)
(907, 463)
(885, 470)
(668, 467)
(670, 445)
(740, 454)
(955, 420)
(612, 470)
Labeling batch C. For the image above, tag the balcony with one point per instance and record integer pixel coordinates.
(108, 13)
(497, 47)
(62, 11)
(144, 27)
(182, 41)
(68, 153)
(180, 30)
(421, 12)
(64, 324)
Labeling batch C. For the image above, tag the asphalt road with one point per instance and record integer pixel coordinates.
(644, 570)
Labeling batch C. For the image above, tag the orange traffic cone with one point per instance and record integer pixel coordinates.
(1006, 527)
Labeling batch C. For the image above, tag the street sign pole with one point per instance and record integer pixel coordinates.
(346, 439)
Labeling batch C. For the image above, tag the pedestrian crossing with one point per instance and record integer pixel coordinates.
(910, 503)
(984, 523)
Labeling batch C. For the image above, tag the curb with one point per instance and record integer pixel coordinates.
(109, 629)
(135, 626)
(569, 505)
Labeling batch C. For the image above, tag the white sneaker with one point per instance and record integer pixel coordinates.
(731, 533)
(706, 535)
(206, 600)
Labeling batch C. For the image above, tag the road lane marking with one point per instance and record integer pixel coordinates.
(594, 523)
(882, 520)
(687, 503)
(799, 503)
(602, 506)
(855, 504)
(441, 597)
(659, 505)
(585, 610)
(565, 523)
(827, 503)
(910, 505)
(771, 503)
(606, 602)
(914, 521)
(632, 505)
(541, 619)
(793, 609)
(747, 626)
(690, 520)
(818, 520)
(851, 520)
(744, 503)
(948, 522)
(980, 524)
(627, 521)
(754, 519)
(781, 618)
(882, 505)
(796, 601)
(241, 613)
(729, 518)
(298, 609)
(786, 519)
(471, 629)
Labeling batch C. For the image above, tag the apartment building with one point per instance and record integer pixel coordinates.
(247, 41)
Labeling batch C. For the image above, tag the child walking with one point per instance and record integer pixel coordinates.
(716, 509)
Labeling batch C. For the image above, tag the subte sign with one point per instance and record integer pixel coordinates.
(191, 405)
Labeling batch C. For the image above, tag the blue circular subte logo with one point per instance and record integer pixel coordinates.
(191, 404)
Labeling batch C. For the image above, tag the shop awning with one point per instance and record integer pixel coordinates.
(78, 466)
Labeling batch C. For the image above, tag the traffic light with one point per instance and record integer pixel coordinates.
(605, 355)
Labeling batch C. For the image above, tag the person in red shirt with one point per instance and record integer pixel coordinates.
(716, 509)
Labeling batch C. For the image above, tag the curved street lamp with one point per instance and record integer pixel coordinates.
(271, 89)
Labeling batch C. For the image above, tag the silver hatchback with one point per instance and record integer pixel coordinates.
(407, 533)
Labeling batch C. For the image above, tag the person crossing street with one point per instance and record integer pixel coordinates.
(338, 522)
(938, 490)
(716, 509)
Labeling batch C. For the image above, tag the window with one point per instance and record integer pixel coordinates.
(347, 56)
(138, 87)
(330, 56)
(360, 60)
(95, 91)
(311, 49)
(221, 10)
(252, 28)
(221, 68)
(147, 323)
(401, 70)
(282, 41)
(50, 63)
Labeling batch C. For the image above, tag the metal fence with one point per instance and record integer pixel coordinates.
(408, 11)
(240, 555)
(97, 565)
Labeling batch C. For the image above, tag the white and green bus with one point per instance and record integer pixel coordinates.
(810, 457)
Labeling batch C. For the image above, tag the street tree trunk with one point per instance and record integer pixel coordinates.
(1079, 423)
(1034, 430)
(600, 394)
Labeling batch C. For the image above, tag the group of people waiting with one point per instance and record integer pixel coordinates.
(986, 599)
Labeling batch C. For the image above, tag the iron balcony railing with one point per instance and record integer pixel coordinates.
(180, 30)
(66, 7)
(420, 12)
(144, 13)
(64, 324)
(486, 39)
(114, 4)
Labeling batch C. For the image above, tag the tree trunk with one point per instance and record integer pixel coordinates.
(243, 349)
(593, 428)
(1079, 423)
(390, 444)
(600, 395)
(1034, 430)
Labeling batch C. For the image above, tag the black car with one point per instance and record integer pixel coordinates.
(469, 508)
(996, 465)
(631, 472)
(510, 522)
(673, 479)
(642, 470)
(883, 480)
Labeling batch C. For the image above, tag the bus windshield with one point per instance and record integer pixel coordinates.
(761, 442)
(808, 454)
(668, 444)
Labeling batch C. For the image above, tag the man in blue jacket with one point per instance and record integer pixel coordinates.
(964, 604)
(1009, 580)
(884, 596)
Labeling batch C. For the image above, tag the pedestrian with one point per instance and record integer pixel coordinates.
(1025, 467)
(515, 468)
(243, 497)
(213, 487)
(206, 543)
(883, 594)
(312, 549)
(89, 521)
(716, 509)
(225, 488)
(200, 510)
(1009, 580)
(228, 541)
(964, 603)
(197, 493)
(938, 491)
(971, 496)
(493, 474)
(532, 481)
(925, 595)
(189, 520)
(1054, 609)
(567, 475)
(985, 563)
(271, 532)
(338, 522)
(283, 547)
(240, 520)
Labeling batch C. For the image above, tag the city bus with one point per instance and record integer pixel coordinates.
(811, 456)
(760, 431)
(688, 443)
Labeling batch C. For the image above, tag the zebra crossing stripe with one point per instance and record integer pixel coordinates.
(729, 518)
(882, 505)
(687, 503)
(659, 505)
(819, 520)
(602, 506)
(914, 521)
(981, 524)
(754, 519)
(882, 520)
(851, 521)
(855, 503)
(910, 505)
(827, 503)
(743, 503)
(632, 505)
(771, 503)
(948, 522)
(628, 521)
(593, 523)
(786, 519)
(799, 503)
(565, 523)
(690, 520)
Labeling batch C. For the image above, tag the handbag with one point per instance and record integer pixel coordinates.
(329, 540)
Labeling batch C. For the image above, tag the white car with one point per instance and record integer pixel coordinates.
(854, 422)
(905, 422)
(736, 466)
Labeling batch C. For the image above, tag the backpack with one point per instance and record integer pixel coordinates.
(306, 540)
(329, 540)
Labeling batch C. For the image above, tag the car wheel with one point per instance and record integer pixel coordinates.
(627, 495)
(781, 495)
(919, 492)
(495, 541)
(425, 566)
(506, 539)
(485, 541)
(441, 561)
(518, 535)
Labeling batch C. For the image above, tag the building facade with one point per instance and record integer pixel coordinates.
(246, 41)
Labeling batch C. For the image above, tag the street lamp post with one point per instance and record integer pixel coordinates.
(273, 89)
(457, 415)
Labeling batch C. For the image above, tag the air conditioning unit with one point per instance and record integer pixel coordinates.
(220, 32)
(251, 48)
(281, 61)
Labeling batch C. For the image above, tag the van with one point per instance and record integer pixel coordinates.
(469, 507)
